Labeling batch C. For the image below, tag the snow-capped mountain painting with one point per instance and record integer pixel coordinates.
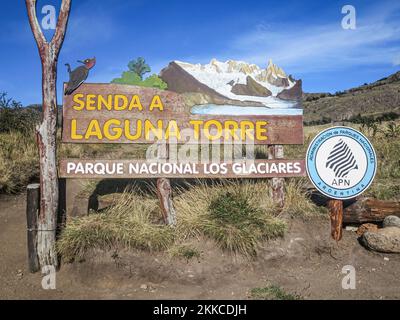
(228, 87)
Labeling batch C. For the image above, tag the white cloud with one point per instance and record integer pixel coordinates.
(314, 48)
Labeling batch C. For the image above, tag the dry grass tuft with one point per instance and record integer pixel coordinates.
(297, 204)
(184, 251)
(19, 163)
(130, 223)
(272, 293)
(238, 216)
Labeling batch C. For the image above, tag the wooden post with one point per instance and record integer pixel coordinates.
(164, 190)
(62, 205)
(32, 212)
(46, 132)
(278, 184)
(336, 215)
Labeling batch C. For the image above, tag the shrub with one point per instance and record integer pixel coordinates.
(392, 130)
(272, 293)
(384, 190)
(238, 216)
(297, 204)
(238, 225)
(134, 76)
(388, 154)
(13, 117)
(19, 163)
(186, 252)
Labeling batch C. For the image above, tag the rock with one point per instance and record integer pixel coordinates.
(384, 240)
(20, 274)
(370, 227)
(220, 83)
(195, 92)
(251, 88)
(391, 221)
(294, 93)
(144, 287)
(274, 75)
(180, 81)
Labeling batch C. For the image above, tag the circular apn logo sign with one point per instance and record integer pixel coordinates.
(341, 163)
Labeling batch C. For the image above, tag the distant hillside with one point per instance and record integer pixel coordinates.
(375, 99)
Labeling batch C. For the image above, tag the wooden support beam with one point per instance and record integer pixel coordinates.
(336, 215)
(278, 184)
(32, 213)
(164, 190)
(62, 205)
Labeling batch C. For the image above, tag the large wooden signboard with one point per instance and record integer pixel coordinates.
(113, 113)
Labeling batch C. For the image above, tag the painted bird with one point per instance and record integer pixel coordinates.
(79, 75)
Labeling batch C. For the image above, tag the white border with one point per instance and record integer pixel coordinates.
(373, 150)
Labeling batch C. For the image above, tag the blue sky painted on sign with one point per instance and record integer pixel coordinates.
(303, 37)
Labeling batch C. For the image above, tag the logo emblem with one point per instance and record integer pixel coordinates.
(341, 163)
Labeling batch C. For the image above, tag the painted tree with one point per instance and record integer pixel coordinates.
(47, 130)
(139, 66)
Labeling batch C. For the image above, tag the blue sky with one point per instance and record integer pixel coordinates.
(305, 38)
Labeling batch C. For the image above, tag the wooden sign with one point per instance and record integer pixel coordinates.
(113, 113)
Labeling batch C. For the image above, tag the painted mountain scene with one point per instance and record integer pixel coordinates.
(235, 88)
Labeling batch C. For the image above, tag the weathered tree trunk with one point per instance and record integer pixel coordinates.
(46, 139)
(278, 184)
(164, 191)
(370, 210)
(32, 211)
(47, 132)
(336, 215)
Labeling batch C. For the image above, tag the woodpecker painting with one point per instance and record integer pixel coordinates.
(79, 75)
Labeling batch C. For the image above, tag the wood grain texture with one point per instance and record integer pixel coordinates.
(32, 213)
(336, 214)
(164, 192)
(367, 210)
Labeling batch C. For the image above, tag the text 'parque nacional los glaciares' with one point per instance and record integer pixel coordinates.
(149, 169)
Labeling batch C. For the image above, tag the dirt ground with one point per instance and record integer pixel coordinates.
(305, 262)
